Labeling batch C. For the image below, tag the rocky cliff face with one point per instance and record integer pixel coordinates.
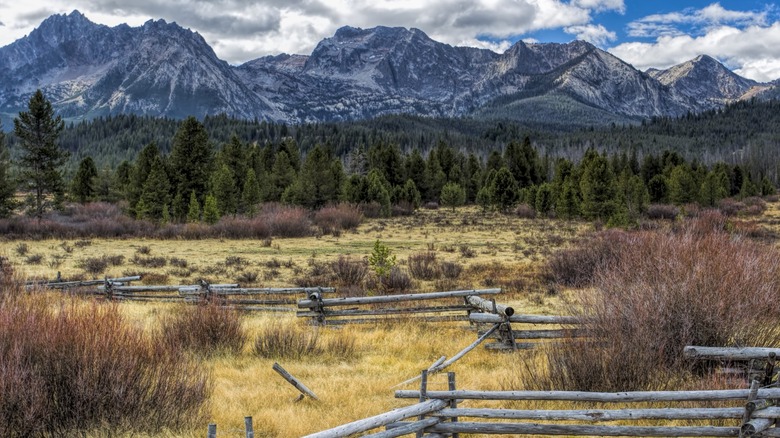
(161, 69)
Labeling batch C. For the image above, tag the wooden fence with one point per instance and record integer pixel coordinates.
(433, 306)
(231, 295)
(750, 412)
(524, 328)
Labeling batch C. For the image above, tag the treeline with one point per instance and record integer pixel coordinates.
(197, 181)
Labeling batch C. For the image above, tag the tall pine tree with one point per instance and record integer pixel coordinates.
(191, 162)
(7, 185)
(41, 162)
(83, 187)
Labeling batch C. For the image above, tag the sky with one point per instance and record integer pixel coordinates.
(743, 34)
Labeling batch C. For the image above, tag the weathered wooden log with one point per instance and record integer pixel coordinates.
(262, 309)
(293, 381)
(144, 288)
(266, 302)
(268, 290)
(249, 429)
(500, 346)
(724, 353)
(595, 415)
(544, 334)
(401, 429)
(387, 311)
(490, 306)
(527, 319)
(82, 283)
(756, 425)
(381, 420)
(584, 430)
(604, 397)
(395, 298)
(395, 318)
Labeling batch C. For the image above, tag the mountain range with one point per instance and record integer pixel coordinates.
(161, 69)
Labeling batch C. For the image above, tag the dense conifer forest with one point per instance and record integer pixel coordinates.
(190, 170)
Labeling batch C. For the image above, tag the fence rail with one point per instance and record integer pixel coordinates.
(753, 413)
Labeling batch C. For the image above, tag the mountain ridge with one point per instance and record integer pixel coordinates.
(162, 69)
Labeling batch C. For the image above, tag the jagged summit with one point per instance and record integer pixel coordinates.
(162, 69)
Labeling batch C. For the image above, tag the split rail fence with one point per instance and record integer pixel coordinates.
(231, 295)
(750, 412)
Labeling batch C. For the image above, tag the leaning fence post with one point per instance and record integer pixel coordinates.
(212, 431)
(453, 401)
(294, 382)
(250, 430)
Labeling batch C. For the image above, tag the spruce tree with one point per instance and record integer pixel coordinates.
(452, 195)
(156, 193)
(38, 130)
(83, 185)
(504, 190)
(193, 211)
(250, 195)
(682, 185)
(597, 186)
(210, 210)
(224, 190)
(544, 199)
(377, 191)
(191, 162)
(7, 185)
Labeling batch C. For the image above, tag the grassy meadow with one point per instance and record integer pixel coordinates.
(354, 369)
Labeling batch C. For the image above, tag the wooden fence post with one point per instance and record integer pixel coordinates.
(454, 401)
(423, 395)
(212, 431)
(294, 382)
(250, 430)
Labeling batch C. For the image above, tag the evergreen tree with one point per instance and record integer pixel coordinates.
(156, 193)
(597, 186)
(415, 170)
(567, 204)
(749, 188)
(283, 175)
(139, 173)
(191, 162)
(211, 213)
(223, 187)
(250, 196)
(83, 184)
(472, 176)
(504, 191)
(435, 178)
(235, 155)
(658, 188)
(377, 191)
(682, 185)
(767, 188)
(544, 199)
(7, 186)
(716, 186)
(37, 131)
(193, 211)
(452, 195)
(409, 194)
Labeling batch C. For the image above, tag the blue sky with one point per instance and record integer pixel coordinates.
(745, 35)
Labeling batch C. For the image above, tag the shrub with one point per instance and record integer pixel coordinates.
(662, 211)
(206, 328)
(22, 249)
(247, 277)
(94, 265)
(149, 262)
(661, 293)
(34, 259)
(178, 263)
(286, 221)
(235, 262)
(451, 270)
(349, 272)
(85, 368)
(286, 341)
(525, 211)
(336, 218)
(396, 281)
(423, 266)
(576, 267)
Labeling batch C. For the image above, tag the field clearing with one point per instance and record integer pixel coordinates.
(495, 251)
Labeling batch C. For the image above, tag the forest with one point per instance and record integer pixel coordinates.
(165, 170)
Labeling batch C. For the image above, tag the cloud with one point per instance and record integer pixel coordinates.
(241, 30)
(596, 34)
(752, 52)
(699, 20)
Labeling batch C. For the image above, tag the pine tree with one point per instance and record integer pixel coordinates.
(504, 190)
(452, 195)
(7, 185)
(191, 162)
(193, 212)
(283, 175)
(156, 193)
(682, 185)
(83, 184)
(210, 210)
(544, 199)
(224, 190)
(250, 195)
(597, 186)
(567, 204)
(377, 191)
(716, 186)
(139, 173)
(38, 130)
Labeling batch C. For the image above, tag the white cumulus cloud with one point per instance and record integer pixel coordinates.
(596, 34)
